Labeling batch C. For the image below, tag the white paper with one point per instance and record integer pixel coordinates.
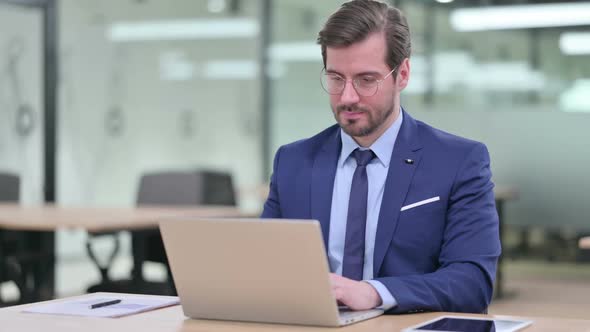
(81, 306)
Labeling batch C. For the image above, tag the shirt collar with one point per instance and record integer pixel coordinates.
(382, 147)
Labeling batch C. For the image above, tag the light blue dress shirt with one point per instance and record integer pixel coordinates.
(376, 174)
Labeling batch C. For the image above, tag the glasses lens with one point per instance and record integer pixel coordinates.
(332, 84)
(366, 86)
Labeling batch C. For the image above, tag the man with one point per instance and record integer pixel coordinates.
(407, 211)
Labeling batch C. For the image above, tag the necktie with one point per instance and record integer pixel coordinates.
(354, 245)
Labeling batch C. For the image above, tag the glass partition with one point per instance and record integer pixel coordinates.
(171, 85)
(153, 86)
(21, 98)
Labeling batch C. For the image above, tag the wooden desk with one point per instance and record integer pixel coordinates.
(100, 219)
(42, 221)
(171, 319)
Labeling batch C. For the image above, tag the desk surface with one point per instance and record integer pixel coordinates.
(172, 320)
(51, 217)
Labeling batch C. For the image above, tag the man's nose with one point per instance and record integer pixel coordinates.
(349, 94)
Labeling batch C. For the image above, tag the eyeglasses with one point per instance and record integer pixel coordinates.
(365, 85)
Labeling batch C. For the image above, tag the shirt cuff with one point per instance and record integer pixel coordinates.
(387, 300)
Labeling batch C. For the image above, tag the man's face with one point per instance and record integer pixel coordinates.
(364, 118)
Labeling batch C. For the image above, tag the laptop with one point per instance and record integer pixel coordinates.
(257, 270)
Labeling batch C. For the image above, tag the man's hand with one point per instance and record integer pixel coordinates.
(356, 295)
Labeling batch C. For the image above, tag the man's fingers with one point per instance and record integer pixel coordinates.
(353, 294)
(338, 293)
(334, 278)
(338, 287)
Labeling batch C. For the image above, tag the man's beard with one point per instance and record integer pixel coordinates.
(372, 123)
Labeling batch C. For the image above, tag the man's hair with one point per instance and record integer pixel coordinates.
(356, 20)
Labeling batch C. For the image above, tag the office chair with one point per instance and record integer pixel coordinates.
(175, 188)
(164, 188)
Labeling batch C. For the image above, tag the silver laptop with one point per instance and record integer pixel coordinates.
(259, 270)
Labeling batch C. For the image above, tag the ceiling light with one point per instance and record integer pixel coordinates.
(295, 51)
(575, 43)
(183, 29)
(520, 17)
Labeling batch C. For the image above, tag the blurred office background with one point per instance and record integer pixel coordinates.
(147, 85)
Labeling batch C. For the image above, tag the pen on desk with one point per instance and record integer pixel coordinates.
(104, 304)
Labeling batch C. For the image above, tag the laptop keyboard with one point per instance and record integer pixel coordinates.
(349, 314)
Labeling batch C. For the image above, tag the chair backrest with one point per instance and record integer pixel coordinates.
(186, 188)
(9, 187)
(176, 188)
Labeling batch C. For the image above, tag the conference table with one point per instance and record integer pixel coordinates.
(172, 319)
(41, 221)
(52, 217)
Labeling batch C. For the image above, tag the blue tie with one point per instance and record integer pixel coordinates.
(354, 245)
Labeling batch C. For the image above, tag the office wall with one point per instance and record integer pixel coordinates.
(133, 107)
(21, 106)
(545, 156)
(126, 108)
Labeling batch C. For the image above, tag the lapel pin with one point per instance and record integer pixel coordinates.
(409, 161)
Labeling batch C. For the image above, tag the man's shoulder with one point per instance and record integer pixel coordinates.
(440, 139)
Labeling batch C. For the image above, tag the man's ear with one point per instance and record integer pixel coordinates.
(403, 74)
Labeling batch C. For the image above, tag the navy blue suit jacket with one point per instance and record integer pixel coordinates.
(440, 256)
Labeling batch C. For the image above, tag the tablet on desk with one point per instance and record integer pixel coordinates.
(470, 324)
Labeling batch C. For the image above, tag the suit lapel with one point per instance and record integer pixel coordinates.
(399, 178)
(322, 182)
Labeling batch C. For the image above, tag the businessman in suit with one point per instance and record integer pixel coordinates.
(407, 211)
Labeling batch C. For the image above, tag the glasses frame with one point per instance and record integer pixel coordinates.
(354, 83)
